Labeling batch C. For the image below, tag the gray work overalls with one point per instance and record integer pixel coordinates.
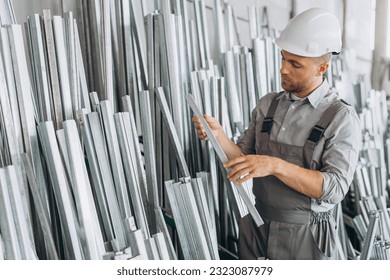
(291, 229)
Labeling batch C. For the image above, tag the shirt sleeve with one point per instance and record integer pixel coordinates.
(248, 140)
(340, 155)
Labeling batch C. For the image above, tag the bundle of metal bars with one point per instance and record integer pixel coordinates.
(84, 211)
(7, 15)
(372, 222)
(366, 203)
(93, 193)
(193, 221)
(114, 32)
(208, 86)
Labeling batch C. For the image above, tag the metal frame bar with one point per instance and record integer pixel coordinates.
(172, 133)
(369, 239)
(161, 225)
(107, 180)
(59, 39)
(111, 137)
(12, 248)
(97, 182)
(69, 223)
(87, 215)
(41, 210)
(150, 161)
(125, 138)
(252, 210)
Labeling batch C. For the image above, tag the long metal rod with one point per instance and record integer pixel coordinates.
(39, 65)
(172, 132)
(70, 39)
(62, 67)
(9, 126)
(150, 160)
(204, 214)
(139, 159)
(83, 193)
(194, 221)
(222, 156)
(81, 77)
(106, 175)
(179, 220)
(97, 181)
(26, 105)
(161, 225)
(62, 193)
(22, 224)
(369, 239)
(41, 210)
(130, 165)
(111, 137)
(53, 68)
(12, 248)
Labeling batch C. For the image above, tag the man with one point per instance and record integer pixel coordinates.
(301, 149)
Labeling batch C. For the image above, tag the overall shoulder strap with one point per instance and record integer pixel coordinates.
(319, 129)
(267, 122)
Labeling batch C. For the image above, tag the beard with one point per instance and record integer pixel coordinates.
(291, 86)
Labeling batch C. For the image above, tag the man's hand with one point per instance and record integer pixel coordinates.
(212, 122)
(246, 167)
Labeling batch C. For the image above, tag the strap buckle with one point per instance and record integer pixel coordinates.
(267, 125)
(316, 134)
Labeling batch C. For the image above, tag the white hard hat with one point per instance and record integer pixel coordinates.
(312, 33)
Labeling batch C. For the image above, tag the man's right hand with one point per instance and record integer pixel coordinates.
(213, 124)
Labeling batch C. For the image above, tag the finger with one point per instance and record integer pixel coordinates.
(202, 135)
(196, 120)
(199, 126)
(243, 179)
(234, 161)
(239, 174)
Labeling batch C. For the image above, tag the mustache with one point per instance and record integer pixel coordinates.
(285, 78)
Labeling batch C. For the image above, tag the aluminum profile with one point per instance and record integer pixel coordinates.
(106, 177)
(96, 179)
(116, 164)
(62, 193)
(125, 139)
(150, 161)
(162, 227)
(64, 81)
(12, 247)
(243, 193)
(87, 215)
(41, 210)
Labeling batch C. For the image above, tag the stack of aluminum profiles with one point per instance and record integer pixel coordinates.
(7, 14)
(373, 220)
(133, 86)
(190, 209)
(84, 206)
(370, 186)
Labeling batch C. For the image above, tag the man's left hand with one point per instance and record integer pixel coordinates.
(246, 167)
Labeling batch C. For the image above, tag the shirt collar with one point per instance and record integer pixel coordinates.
(315, 97)
(319, 93)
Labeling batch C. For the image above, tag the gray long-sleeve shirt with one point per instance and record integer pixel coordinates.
(293, 121)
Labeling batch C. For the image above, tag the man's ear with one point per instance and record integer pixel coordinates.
(322, 68)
